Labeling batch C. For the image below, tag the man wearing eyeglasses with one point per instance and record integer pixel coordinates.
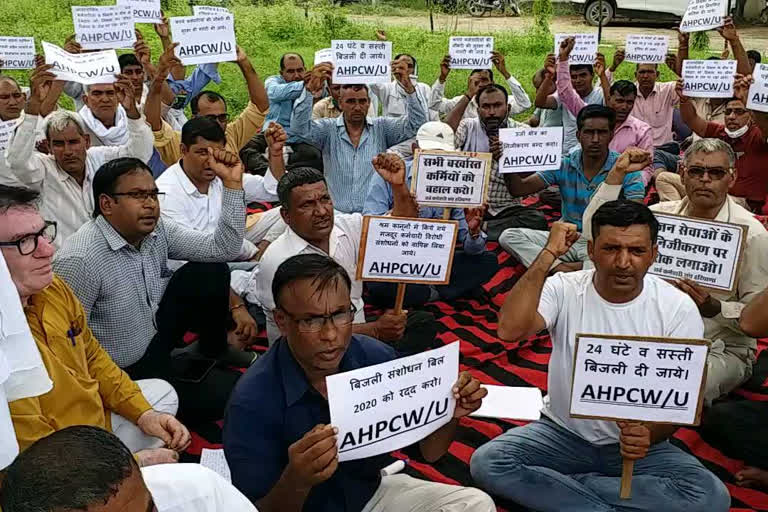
(708, 172)
(280, 446)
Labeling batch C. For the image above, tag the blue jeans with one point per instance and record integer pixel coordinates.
(545, 467)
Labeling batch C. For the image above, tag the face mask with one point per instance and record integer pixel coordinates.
(738, 133)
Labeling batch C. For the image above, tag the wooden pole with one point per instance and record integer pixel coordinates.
(446, 214)
(431, 19)
(627, 468)
(399, 298)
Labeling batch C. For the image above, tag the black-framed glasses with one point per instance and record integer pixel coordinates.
(737, 111)
(27, 244)
(140, 195)
(715, 173)
(221, 118)
(315, 323)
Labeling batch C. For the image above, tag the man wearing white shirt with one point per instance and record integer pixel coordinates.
(565, 464)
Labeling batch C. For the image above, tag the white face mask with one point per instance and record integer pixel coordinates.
(738, 133)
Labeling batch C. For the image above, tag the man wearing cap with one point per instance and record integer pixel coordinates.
(472, 264)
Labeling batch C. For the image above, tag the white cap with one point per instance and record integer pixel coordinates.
(435, 135)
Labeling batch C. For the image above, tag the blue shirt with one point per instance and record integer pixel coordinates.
(281, 96)
(193, 84)
(380, 200)
(349, 169)
(273, 406)
(576, 190)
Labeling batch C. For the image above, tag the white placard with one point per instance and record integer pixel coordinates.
(391, 405)
(324, 55)
(85, 68)
(204, 39)
(402, 250)
(470, 52)
(17, 52)
(216, 461)
(6, 132)
(516, 403)
(584, 48)
(757, 98)
(450, 179)
(144, 11)
(646, 48)
(104, 28)
(361, 62)
(207, 10)
(531, 149)
(701, 15)
(704, 251)
(644, 379)
(708, 78)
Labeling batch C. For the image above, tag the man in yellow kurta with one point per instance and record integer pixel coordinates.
(88, 387)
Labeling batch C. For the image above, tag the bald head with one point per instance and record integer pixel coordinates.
(292, 67)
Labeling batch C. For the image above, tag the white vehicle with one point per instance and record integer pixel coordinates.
(652, 10)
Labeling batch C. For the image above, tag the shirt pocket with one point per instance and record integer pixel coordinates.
(70, 352)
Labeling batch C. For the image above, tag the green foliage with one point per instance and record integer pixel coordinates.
(542, 14)
(700, 41)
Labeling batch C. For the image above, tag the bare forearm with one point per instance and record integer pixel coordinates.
(437, 443)
(404, 204)
(521, 187)
(682, 55)
(754, 321)
(543, 92)
(691, 118)
(152, 107)
(518, 315)
(740, 54)
(285, 496)
(366, 329)
(256, 91)
(276, 164)
(455, 116)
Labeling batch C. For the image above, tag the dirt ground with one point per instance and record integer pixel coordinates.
(753, 37)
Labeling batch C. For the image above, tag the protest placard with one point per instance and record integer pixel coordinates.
(396, 249)
(361, 62)
(6, 132)
(646, 48)
(104, 28)
(531, 149)
(703, 251)
(17, 52)
(450, 179)
(204, 39)
(584, 49)
(758, 91)
(470, 52)
(701, 15)
(387, 406)
(324, 55)
(708, 78)
(208, 10)
(85, 68)
(144, 11)
(517, 403)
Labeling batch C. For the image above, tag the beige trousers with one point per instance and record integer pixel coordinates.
(403, 493)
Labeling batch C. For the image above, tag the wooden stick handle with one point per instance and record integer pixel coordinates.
(626, 478)
(399, 298)
(446, 214)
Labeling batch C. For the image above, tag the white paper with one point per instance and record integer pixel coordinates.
(637, 380)
(207, 10)
(144, 11)
(324, 55)
(402, 250)
(704, 251)
(6, 132)
(757, 99)
(704, 15)
(204, 39)
(216, 461)
(104, 28)
(470, 52)
(361, 62)
(85, 68)
(516, 403)
(646, 48)
(584, 48)
(531, 149)
(450, 179)
(388, 406)
(17, 52)
(708, 78)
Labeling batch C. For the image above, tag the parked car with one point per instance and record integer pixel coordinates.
(652, 10)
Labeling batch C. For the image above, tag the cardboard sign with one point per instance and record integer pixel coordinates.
(6, 132)
(637, 378)
(85, 68)
(470, 52)
(387, 406)
(208, 10)
(704, 15)
(531, 149)
(17, 52)
(450, 179)
(703, 251)
(646, 48)
(757, 98)
(104, 28)
(204, 39)
(324, 55)
(361, 62)
(144, 11)
(402, 250)
(584, 50)
(708, 78)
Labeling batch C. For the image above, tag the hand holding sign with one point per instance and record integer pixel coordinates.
(168, 60)
(39, 84)
(708, 306)
(315, 80)
(634, 439)
(163, 29)
(227, 166)
(390, 326)
(401, 74)
(566, 47)
(469, 395)
(741, 85)
(562, 236)
(728, 30)
(313, 459)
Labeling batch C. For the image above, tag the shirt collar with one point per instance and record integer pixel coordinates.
(295, 244)
(576, 163)
(186, 184)
(113, 238)
(724, 215)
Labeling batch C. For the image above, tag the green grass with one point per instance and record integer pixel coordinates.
(266, 32)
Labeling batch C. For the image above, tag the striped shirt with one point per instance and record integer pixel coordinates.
(576, 190)
(348, 169)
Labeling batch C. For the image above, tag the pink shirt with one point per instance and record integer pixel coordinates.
(657, 110)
